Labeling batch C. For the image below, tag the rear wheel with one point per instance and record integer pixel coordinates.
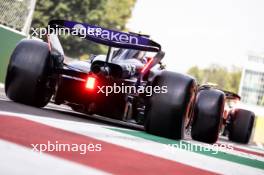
(241, 126)
(27, 74)
(207, 115)
(166, 112)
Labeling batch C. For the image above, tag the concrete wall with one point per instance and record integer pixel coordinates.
(8, 40)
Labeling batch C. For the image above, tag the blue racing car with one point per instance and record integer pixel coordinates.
(129, 84)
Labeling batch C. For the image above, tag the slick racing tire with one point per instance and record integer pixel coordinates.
(241, 126)
(207, 115)
(27, 73)
(166, 112)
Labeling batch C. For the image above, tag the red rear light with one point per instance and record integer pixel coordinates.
(90, 83)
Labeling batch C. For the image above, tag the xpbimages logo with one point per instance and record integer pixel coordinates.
(124, 89)
(83, 148)
(188, 146)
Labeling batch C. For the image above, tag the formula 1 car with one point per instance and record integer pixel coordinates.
(126, 84)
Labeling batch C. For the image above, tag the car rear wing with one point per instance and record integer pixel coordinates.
(108, 37)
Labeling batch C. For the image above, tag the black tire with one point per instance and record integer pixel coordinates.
(166, 112)
(27, 73)
(207, 115)
(241, 126)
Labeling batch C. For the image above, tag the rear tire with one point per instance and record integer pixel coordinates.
(208, 110)
(27, 73)
(241, 126)
(166, 112)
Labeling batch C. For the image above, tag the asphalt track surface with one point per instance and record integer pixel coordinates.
(124, 149)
